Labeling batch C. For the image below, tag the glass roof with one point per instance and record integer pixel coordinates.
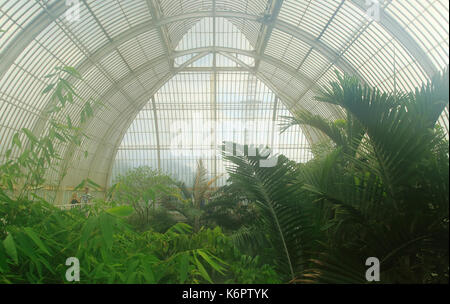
(131, 52)
(194, 113)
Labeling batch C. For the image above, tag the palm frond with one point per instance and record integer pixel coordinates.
(303, 117)
(396, 135)
(282, 216)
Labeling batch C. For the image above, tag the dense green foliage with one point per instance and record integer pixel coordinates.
(377, 187)
(26, 173)
(150, 193)
(38, 238)
(131, 238)
(386, 194)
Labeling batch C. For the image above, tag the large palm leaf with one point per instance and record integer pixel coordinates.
(397, 125)
(346, 134)
(284, 218)
(391, 197)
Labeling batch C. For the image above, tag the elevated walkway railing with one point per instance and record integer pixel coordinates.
(70, 206)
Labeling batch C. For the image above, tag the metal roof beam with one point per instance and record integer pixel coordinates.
(141, 100)
(10, 53)
(14, 51)
(269, 59)
(57, 8)
(156, 13)
(267, 25)
(403, 37)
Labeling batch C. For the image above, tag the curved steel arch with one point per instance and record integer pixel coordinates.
(118, 86)
(127, 35)
(58, 8)
(126, 120)
(311, 134)
(69, 153)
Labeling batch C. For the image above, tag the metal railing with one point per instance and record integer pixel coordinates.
(70, 206)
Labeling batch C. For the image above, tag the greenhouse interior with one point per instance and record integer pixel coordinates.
(224, 142)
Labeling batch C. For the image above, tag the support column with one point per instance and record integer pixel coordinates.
(158, 144)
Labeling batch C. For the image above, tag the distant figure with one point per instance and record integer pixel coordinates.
(74, 200)
(86, 197)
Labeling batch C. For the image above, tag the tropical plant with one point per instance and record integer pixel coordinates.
(37, 154)
(147, 191)
(38, 239)
(389, 193)
(284, 223)
(228, 208)
(346, 134)
(379, 190)
(198, 195)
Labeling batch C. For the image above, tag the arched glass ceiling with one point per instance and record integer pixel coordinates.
(194, 113)
(127, 51)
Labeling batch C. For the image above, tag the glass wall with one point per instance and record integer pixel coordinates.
(194, 113)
